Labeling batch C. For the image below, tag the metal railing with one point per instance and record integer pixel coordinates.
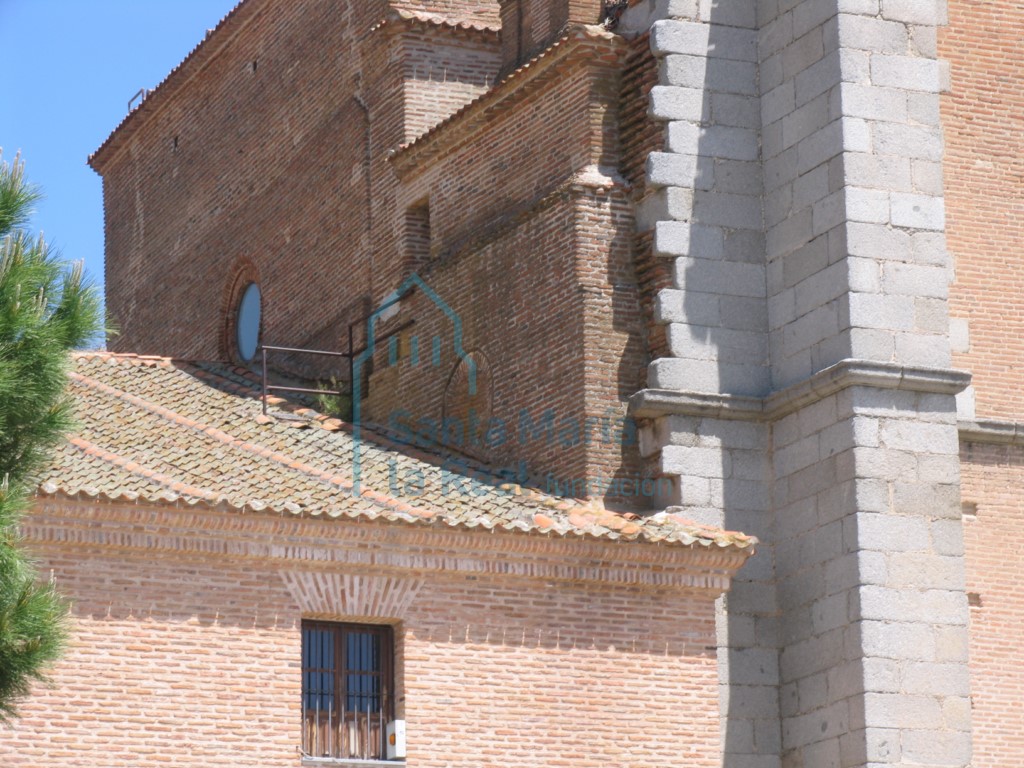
(140, 96)
(351, 355)
(267, 387)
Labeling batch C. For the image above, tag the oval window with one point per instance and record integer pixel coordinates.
(247, 323)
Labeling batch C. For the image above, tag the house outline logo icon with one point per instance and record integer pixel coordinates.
(411, 284)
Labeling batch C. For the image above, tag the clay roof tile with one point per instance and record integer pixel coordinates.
(155, 430)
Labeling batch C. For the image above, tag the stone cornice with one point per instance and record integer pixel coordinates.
(277, 542)
(864, 373)
(652, 403)
(991, 431)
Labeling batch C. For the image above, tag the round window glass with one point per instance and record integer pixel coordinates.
(247, 323)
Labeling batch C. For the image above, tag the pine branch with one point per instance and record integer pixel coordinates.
(47, 308)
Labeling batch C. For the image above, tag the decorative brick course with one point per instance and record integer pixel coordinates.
(189, 656)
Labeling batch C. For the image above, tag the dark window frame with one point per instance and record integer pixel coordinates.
(344, 713)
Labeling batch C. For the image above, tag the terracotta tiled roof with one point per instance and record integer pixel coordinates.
(168, 432)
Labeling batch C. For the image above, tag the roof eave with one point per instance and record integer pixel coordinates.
(398, 17)
(209, 47)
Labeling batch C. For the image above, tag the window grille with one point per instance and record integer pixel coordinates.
(347, 689)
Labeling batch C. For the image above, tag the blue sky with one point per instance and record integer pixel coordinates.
(70, 67)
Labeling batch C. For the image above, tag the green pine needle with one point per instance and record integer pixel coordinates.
(47, 308)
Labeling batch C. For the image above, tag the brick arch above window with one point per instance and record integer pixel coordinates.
(243, 273)
(355, 597)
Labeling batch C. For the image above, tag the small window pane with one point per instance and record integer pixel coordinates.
(247, 323)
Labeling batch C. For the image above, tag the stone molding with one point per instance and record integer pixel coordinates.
(281, 543)
(991, 431)
(653, 403)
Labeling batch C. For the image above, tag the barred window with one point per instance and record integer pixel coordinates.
(347, 689)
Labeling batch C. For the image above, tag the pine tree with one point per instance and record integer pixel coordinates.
(46, 309)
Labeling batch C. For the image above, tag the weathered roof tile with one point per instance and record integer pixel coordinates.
(159, 431)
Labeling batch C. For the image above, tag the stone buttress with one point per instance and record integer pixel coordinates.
(806, 394)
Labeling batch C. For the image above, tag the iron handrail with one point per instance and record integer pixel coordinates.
(267, 388)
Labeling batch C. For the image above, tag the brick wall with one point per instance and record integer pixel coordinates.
(534, 259)
(491, 165)
(262, 157)
(441, 76)
(222, 171)
(170, 661)
(531, 247)
(561, 338)
(983, 120)
(191, 657)
(579, 677)
(526, 327)
(614, 355)
(992, 476)
(530, 26)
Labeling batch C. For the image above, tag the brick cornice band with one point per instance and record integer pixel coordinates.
(384, 547)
